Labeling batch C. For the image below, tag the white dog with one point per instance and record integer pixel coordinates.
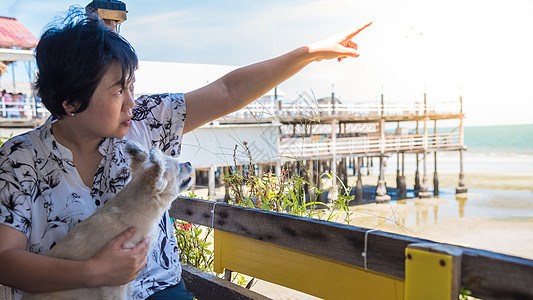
(156, 181)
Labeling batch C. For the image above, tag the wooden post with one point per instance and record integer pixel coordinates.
(211, 180)
(402, 194)
(381, 190)
(226, 185)
(359, 183)
(334, 189)
(398, 160)
(397, 170)
(424, 193)
(417, 174)
(435, 177)
(462, 186)
(193, 180)
(332, 100)
(344, 168)
(432, 271)
(112, 12)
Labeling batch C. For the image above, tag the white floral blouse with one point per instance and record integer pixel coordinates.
(43, 196)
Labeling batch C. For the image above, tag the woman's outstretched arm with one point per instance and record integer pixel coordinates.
(242, 86)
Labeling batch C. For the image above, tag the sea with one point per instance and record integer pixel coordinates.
(489, 149)
(501, 139)
(492, 151)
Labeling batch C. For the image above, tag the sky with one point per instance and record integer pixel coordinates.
(480, 50)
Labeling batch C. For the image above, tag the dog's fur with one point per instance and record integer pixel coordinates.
(156, 181)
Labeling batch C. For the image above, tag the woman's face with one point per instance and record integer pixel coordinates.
(110, 110)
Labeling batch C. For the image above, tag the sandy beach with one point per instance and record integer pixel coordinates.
(496, 214)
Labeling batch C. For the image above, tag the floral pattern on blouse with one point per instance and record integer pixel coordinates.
(43, 196)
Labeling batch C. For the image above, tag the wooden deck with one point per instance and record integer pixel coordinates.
(347, 112)
(309, 148)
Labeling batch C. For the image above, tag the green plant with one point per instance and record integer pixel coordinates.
(194, 246)
(4, 138)
(464, 294)
(284, 193)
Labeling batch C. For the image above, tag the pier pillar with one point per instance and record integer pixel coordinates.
(359, 183)
(344, 172)
(398, 161)
(402, 194)
(424, 193)
(211, 180)
(398, 170)
(334, 191)
(311, 172)
(416, 188)
(435, 178)
(381, 190)
(226, 185)
(417, 177)
(193, 180)
(462, 186)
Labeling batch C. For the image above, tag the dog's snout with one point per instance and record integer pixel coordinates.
(188, 166)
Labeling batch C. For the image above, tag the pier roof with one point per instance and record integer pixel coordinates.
(14, 34)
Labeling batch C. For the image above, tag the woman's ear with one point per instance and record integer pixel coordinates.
(69, 107)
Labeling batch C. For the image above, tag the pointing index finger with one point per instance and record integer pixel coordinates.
(358, 30)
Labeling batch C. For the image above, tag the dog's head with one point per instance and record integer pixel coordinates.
(164, 174)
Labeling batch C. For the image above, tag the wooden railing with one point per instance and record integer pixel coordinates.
(28, 109)
(22, 110)
(374, 255)
(272, 109)
(309, 147)
(353, 262)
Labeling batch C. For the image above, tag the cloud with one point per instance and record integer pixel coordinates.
(479, 48)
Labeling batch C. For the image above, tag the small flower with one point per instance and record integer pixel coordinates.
(185, 226)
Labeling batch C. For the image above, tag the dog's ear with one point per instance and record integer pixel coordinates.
(161, 184)
(136, 153)
(157, 169)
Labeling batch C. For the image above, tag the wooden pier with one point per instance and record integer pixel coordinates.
(338, 135)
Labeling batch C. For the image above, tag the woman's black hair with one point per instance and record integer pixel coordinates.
(72, 57)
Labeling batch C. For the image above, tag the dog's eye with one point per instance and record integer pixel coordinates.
(165, 174)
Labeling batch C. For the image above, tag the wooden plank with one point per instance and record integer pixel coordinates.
(206, 286)
(490, 275)
(432, 271)
(344, 243)
(487, 274)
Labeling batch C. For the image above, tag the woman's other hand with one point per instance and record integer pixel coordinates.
(114, 265)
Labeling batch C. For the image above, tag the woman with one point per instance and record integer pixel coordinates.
(53, 177)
